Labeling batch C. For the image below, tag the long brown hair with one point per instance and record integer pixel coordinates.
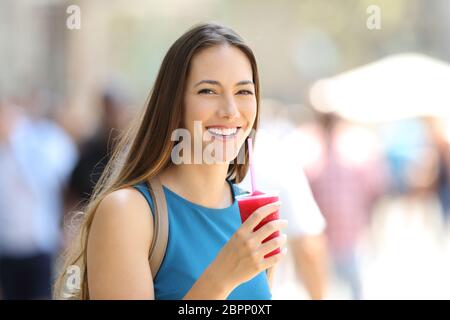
(145, 149)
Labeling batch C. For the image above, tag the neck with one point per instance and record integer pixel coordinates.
(199, 183)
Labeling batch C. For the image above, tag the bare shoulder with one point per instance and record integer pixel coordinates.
(127, 206)
(126, 209)
(128, 197)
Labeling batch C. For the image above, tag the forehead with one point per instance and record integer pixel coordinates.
(221, 63)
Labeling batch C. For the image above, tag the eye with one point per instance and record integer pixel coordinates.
(245, 92)
(206, 91)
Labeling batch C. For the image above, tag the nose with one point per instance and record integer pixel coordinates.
(229, 109)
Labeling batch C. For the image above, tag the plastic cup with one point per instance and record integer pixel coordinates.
(249, 203)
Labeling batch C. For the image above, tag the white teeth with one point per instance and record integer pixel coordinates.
(223, 132)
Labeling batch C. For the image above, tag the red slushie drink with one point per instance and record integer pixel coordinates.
(249, 203)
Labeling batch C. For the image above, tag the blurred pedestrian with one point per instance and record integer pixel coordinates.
(95, 153)
(36, 156)
(346, 177)
(441, 145)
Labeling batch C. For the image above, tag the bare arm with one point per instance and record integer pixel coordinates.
(118, 247)
(311, 263)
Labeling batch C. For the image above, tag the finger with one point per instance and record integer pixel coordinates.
(269, 228)
(273, 260)
(259, 214)
(272, 244)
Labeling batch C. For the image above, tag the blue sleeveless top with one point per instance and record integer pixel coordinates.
(196, 235)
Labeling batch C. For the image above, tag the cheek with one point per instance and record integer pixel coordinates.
(248, 111)
(198, 109)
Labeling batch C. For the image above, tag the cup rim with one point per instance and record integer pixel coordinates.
(269, 193)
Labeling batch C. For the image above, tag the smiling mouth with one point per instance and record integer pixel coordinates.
(223, 132)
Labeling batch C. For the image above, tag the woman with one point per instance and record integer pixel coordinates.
(208, 84)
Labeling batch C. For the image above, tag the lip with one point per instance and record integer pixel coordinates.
(223, 127)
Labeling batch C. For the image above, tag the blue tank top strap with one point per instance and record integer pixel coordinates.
(143, 189)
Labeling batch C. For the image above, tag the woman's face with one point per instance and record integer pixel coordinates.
(219, 101)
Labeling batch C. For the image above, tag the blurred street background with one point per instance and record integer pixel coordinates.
(361, 87)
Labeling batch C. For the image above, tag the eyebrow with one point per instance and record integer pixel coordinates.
(217, 83)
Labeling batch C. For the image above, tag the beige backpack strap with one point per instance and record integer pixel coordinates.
(161, 226)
